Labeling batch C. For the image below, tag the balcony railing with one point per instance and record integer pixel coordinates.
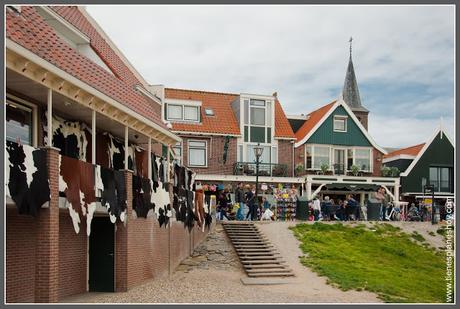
(265, 169)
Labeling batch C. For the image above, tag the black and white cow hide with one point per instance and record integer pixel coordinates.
(142, 192)
(160, 192)
(113, 193)
(69, 137)
(27, 180)
(116, 152)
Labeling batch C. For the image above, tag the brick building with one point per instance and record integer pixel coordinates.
(220, 130)
(71, 96)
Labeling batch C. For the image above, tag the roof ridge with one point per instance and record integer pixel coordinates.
(201, 91)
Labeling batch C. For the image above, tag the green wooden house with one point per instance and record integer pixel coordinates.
(429, 163)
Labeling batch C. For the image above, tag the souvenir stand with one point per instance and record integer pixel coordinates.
(286, 203)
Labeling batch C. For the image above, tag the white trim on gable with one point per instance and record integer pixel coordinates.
(421, 152)
(341, 102)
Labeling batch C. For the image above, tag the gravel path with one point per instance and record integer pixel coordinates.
(213, 275)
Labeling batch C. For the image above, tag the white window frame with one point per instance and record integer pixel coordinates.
(12, 98)
(340, 117)
(371, 158)
(169, 114)
(183, 104)
(197, 108)
(205, 154)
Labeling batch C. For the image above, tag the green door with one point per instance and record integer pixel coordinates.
(101, 255)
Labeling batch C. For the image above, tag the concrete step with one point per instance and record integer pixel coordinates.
(245, 262)
(261, 266)
(271, 270)
(289, 274)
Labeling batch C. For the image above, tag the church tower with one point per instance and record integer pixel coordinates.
(350, 93)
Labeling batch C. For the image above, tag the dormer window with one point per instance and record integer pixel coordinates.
(182, 110)
(71, 35)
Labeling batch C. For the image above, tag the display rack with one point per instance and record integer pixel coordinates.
(285, 209)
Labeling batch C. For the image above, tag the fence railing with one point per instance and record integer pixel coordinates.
(265, 169)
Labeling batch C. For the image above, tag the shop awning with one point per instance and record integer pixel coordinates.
(352, 187)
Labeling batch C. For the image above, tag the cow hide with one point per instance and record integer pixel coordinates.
(113, 196)
(116, 153)
(27, 177)
(142, 192)
(77, 181)
(69, 136)
(160, 192)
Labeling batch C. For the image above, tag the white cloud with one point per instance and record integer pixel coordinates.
(299, 51)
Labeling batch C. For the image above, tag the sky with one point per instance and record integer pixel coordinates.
(403, 57)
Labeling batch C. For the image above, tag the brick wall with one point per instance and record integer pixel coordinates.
(377, 164)
(47, 242)
(72, 257)
(49, 262)
(215, 154)
(20, 257)
(285, 155)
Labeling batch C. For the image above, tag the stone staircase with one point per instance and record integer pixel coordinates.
(257, 255)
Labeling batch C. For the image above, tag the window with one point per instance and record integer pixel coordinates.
(180, 112)
(265, 158)
(191, 113)
(440, 178)
(340, 124)
(349, 158)
(255, 102)
(174, 112)
(197, 153)
(240, 153)
(363, 159)
(308, 157)
(19, 123)
(257, 116)
(178, 151)
(209, 111)
(321, 156)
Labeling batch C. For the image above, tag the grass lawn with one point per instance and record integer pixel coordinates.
(383, 260)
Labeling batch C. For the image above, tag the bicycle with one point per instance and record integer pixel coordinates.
(395, 213)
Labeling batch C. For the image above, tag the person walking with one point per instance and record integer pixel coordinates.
(250, 201)
(316, 208)
(239, 198)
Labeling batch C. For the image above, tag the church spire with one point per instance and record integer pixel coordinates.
(350, 91)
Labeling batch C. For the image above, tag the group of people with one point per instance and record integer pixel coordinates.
(342, 210)
(244, 196)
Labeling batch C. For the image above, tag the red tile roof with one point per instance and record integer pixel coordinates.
(29, 30)
(411, 151)
(224, 120)
(313, 118)
(282, 126)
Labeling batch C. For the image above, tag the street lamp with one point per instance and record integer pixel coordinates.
(258, 150)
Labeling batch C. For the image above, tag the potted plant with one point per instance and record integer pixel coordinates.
(324, 168)
(354, 170)
(386, 171)
(299, 169)
(394, 171)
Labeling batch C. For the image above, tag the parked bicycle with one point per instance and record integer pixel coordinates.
(395, 212)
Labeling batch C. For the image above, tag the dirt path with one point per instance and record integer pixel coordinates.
(213, 275)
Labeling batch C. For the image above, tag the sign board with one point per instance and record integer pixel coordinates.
(427, 201)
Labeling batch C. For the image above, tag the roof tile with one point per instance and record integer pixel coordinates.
(29, 30)
(411, 151)
(313, 118)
